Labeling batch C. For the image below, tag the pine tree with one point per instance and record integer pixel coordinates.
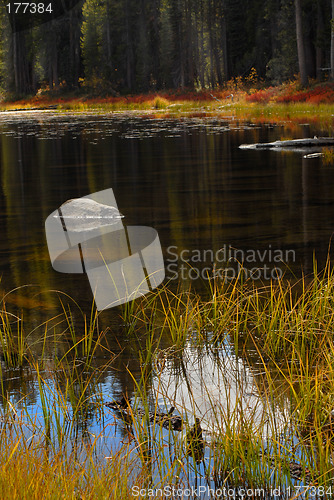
(301, 44)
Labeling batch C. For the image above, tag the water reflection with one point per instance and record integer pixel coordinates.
(188, 180)
(219, 389)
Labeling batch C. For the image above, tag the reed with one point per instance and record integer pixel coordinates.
(12, 338)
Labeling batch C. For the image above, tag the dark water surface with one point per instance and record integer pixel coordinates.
(187, 178)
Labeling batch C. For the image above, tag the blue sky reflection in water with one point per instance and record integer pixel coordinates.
(215, 385)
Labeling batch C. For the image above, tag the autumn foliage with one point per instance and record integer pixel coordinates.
(232, 92)
(290, 93)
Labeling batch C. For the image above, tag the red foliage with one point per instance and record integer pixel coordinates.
(261, 95)
(288, 93)
(320, 94)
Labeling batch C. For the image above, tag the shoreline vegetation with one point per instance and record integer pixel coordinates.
(283, 332)
(240, 100)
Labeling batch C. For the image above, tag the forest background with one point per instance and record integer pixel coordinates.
(119, 47)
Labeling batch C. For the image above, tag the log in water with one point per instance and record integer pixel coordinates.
(293, 143)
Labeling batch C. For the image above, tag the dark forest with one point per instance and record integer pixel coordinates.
(131, 46)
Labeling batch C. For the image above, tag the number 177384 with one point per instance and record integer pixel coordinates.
(29, 8)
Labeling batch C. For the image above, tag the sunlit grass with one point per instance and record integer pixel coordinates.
(327, 156)
(30, 471)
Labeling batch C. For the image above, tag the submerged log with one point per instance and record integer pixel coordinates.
(293, 143)
(314, 155)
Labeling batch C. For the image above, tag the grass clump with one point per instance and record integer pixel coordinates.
(160, 103)
(12, 339)
(29, 471)
(327, 156)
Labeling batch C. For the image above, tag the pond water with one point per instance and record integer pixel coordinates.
(187, 178)
(212, 204)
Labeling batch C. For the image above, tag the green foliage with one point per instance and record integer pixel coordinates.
(284, 64)
(94, 12)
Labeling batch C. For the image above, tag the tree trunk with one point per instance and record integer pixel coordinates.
(211, 46)
(191, 72)
(300, 44)
(197, 51)
(53, 57)
(201, 49)
(129, 50)
(224, 46)
(74, 27)
(319, 49)
(23, 67)
(332, 42)
(179, 49)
